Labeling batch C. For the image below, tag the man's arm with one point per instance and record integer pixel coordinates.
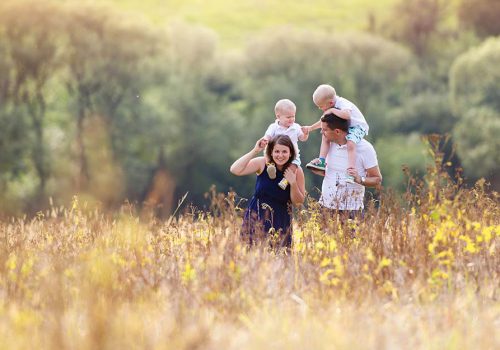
(373, 177)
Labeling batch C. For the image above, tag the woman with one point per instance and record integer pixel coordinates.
(270, 209)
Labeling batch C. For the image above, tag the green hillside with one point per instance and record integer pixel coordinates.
(236, 21)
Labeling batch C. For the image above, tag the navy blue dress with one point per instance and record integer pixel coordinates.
(269, 212)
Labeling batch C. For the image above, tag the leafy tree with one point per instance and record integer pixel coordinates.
(109, 71)
(475, 99)
(476, 137)
(368, 70)
(13, 146)
(475, 77)
(401, 151)
(480, 15)
(425, 113)
(200, 117)
(30, 32)
(416, 23)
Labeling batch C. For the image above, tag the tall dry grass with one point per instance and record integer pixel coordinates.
(421, 273)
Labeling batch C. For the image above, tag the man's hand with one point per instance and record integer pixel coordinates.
(318, 172)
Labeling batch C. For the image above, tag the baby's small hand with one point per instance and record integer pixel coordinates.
(331, 111)
(306, 130)
(261, 144)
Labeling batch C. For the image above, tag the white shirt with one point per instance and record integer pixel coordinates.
(335, 192)
(294, 132)
(357, 118)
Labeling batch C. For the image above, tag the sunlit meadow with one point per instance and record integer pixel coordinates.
(421, 273)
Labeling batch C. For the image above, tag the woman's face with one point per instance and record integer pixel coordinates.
(281, 154)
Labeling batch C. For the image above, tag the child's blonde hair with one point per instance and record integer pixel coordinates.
(324, 93)
(284, 104)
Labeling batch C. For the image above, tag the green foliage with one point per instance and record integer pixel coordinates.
(398, 151)
(199, 120)
(475, 98)
(32, 49)
(475, 77)
(415, 22)
(110, 69)
(476, 137)
(426, 113)
(95, 100)
(365, 69)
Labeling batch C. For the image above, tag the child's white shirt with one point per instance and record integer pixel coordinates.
(357, 117)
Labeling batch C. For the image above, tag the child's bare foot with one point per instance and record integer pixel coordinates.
(349, 178)
(271, 171)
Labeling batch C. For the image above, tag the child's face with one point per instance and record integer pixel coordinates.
(286, 117)
(325, 105)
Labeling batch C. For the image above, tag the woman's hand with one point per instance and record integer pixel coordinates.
(290, 175)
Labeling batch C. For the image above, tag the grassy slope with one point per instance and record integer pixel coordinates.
(235, 21)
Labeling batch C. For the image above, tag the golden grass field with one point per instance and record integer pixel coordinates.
(422, 273)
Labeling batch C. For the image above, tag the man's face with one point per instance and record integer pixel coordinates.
(327, 132)
(336, 135)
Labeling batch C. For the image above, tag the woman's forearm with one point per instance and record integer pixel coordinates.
(296, 195)
(240, 164)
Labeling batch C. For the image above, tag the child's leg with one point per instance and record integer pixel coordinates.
(325, 147)
(271, 168)
(354, 136)
(351, 154)
(320, 163)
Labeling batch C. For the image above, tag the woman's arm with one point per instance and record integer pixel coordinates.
(297, 185)
(247, 164)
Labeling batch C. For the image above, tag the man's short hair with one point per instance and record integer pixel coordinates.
(335, 122)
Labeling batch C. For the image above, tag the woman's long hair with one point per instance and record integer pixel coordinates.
(283, 140)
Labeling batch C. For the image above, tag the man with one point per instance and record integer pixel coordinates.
(336, 193)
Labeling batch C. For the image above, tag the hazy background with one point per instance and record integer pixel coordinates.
(147, 100)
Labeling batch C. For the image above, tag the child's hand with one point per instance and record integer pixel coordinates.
(306, 130)
(261, 144)
(331, 111)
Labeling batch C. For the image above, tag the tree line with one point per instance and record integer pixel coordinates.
(99, 103)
